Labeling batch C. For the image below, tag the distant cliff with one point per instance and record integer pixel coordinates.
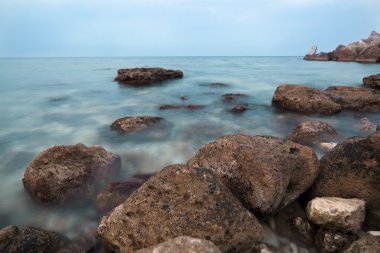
(365, 51)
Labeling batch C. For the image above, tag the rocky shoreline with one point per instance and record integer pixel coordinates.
(236, 194)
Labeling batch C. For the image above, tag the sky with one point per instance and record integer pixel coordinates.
(92, 28)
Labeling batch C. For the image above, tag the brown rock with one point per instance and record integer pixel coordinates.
(265, 173)
(312, 131)
(238, 109)
(372, 81)
(365, 244)
(66, 172)
(117, 192)
(302, 99)
(370, 54)
(364, 124)
(354, 166)
(146, 76)
(217, 85)
(332, 242)
(318, 57)
(179, 201)
(343, 53)
(132, 125)
(188, 107)
(183, 244)
(183, 98)
(28, 239)
(230, 97)
(305, 228)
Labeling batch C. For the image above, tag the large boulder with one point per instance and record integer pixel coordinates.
(146, 76)
(136, 124)
(346, 215)
(352, 170)
(266, 173)
(372, 81)
(28, 239)
(62, 173)
(312, 131)
(183, 244)
(303, 99)
(179, 201)
(370, 54)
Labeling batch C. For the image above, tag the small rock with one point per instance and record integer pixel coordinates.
(217, 85)
(62, 173)
(364, 124)
(327, 146)
(346, 215)
(146, 76)
(238, 109)
(312, 131)
(183, 98)
(332, 242)
(365, 244)
(372, 81)
(28, 239)
(183, 244)
(305, 228)
(229, 97)
(132, 125)
(188, 107)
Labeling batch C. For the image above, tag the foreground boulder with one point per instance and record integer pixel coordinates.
(346, 215)
(352, 170)
(266, 173)
(303, 99)
(117, 192)
(312, 131)
(179, 201)
(136, 124)
(372, 81)
(28, 239)
(62, 173)
(146, 76)
(183, 244)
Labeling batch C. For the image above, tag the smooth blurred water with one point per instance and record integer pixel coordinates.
(48, 101)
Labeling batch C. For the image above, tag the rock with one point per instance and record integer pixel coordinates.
(332, 242)
(215, 85)
(28, 239)
(230, 97)
(188, 107)
(117, 192)
(365, 244)
(313, 50)
(374, 233)
(372, 81)
(343, 53)
(302, 99)
(312, 131)
(304, 228)
(132, 125)
(183, 244)
(370, 54)
(82, 244)
(179, 201)
(378, 127)
(354, 166)
(62, 173)
(146, 76)
(262, 248)
(358, 99)
(318, 57)
(266, 173)
(183, 98)
(327, 146)
(364, 124)
(346, 215)
(238, 109)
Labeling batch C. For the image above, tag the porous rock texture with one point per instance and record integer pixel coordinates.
(146, 76)
(312, 131)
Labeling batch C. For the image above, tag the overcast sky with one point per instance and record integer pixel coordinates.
(181, 27)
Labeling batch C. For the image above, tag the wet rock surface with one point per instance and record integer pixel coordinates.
(346, 215)
(136, 124)
(266, 173)
(365, 244)
(372, 81)
(183, 244)
(179, 201)
(332, 242)
(238, 109)
(117, 192)
(354, 166)
(364, 124)
(28, 239)
(312, 131)
(146, 76)
(63, 173)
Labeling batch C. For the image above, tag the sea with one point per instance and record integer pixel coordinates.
(56, 101)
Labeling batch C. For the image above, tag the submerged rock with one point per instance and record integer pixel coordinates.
(146, 76)
(179, 201)
(312, 131)
(352, 170)
(217, 85)
(188, 107)
(183, 244)
(230, 97)
(62, 173)
(365, 244)
(266, 173)
(364, 124)
(132, 125)
(303, 99)
(372, 81)
(28, 239)
(346, 215)
(117, 192)
(238, 109)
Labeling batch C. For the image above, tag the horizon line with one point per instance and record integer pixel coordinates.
(161, 56)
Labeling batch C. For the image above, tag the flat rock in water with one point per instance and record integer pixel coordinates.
(28, 239)
(352, 170)
(62, 173)
(146, 76)
(346, 215)
(179, 201)
(181, 106)
(266, 173)
(136, 124)
(183, 244)
(312, 131)
(372, 81)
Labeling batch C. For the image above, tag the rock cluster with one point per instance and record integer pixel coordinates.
(146, 76)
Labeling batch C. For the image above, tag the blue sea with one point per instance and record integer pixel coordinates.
(52, 101)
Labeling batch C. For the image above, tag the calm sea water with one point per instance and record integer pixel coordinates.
(48, 101)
